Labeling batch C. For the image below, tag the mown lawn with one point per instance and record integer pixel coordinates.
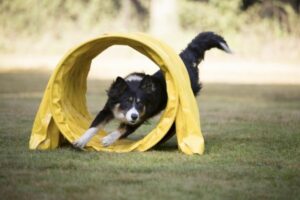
(252, 138)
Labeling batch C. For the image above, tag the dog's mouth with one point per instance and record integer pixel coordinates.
(132, 122)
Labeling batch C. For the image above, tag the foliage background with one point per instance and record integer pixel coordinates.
(268, 30)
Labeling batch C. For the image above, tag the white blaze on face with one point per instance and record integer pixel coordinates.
(130, 112)
(133, 77)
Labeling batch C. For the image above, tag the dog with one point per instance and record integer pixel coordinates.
(137, 97)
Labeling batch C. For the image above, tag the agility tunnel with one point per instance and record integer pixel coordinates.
(63, 110)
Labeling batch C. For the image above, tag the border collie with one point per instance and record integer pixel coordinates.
(137, 97)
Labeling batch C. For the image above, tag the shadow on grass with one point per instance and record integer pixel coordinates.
(170, 146)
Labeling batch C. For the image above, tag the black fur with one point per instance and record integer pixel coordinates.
(147, 94)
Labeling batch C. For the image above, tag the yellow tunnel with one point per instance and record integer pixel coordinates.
(63, 108)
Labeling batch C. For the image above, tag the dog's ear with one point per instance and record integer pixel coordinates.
(118, 87)
(147, 84)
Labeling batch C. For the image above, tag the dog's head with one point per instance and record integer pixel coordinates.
(130, 99)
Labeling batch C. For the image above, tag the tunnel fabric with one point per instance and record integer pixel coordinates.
(63, 110)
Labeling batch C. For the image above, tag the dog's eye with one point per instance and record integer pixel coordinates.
(139, 106)
(128, 102)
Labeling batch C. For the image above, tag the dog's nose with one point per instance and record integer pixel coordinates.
(134, 116)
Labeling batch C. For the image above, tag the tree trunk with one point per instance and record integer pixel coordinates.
(163, 17)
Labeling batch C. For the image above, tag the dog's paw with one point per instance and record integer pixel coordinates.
(108, 140)
(80, 143)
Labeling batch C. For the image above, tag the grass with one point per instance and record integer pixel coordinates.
(252, 150)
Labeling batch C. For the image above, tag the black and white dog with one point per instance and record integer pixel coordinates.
(139, 96)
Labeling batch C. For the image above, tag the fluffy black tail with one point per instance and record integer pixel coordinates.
(195, 51)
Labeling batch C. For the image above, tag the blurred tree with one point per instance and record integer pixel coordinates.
(140, 8)
(274, 9)
(245, 4)
(280, 16)
(134, 13)
(163, 17)
(248, 3)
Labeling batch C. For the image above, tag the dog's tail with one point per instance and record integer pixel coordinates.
(194, 53)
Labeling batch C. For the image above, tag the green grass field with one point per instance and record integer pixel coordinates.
(252, 135)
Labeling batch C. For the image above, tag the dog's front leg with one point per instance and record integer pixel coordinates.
(103, 117)
(123, 131)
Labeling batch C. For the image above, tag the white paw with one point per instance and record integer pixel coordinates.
(108, 140)
(85, 138)
(80, 143)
